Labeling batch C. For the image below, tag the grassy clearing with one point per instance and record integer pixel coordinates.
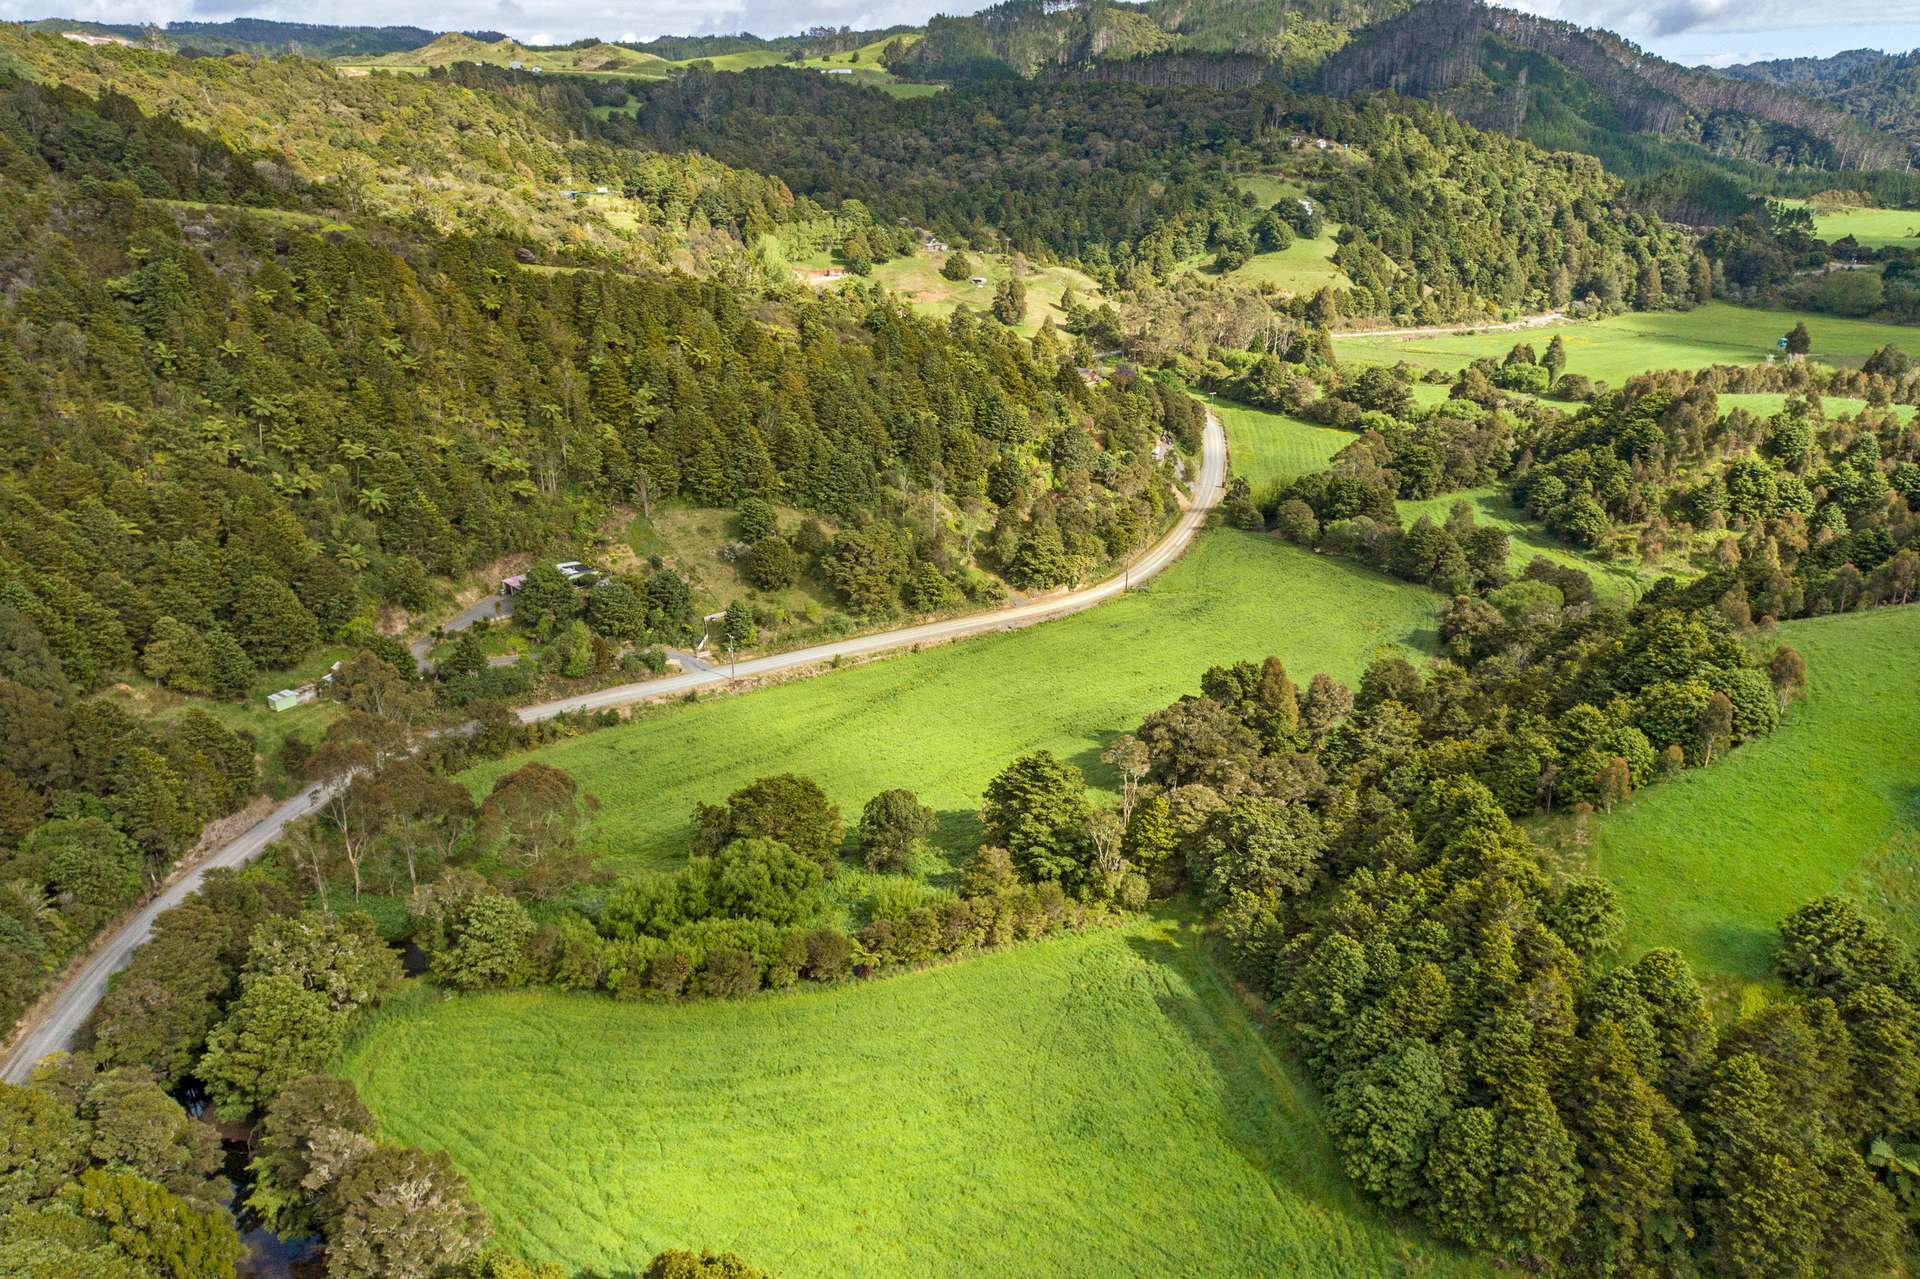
(1091, 1105)
(1302, 267)
(1616, 348)
(1767, 403)
(282, 217)
(1270, 449)
(1712, 860)
(1526, 539)
(944, 721)
(1873, 228)
(918, 278)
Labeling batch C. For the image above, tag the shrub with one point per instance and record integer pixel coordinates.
(829, 954)
(729, 973)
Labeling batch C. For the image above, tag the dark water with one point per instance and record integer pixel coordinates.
(267, 1255)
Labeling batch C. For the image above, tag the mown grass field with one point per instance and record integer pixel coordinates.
(1270, 449)
(1617, 347)
(1713, 860)
(1091, 1105)
(943, 722)
(1302, 267)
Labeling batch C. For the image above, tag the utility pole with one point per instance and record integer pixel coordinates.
(733, 667)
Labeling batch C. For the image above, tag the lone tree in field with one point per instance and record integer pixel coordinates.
(1788, 670)
(1799, 341)
(1716, 726)
(957, 267)
(1612, 784)
(793, 810)
(892, 827)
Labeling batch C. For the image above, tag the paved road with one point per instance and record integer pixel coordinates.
(489, 606)
(1206, 495)
(69, 1007)
(1440, 330)
(67, 1010)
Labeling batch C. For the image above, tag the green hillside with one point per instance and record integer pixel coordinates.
(991, 1117)
(1712, 861)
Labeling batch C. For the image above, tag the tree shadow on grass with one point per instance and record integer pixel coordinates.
(1265, 1094)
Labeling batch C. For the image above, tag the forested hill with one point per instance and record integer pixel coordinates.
(1442, 220)
(1034, 37)
(259, 35)
(495, 160)
(1563, 86)
(1550, 82)
(1883, 89)
(264, 429)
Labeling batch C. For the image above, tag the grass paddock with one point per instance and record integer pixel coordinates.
(944, 721)
(1092, 1105)
(1712, 860)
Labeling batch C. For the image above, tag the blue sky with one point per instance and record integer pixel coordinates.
(1689, 31)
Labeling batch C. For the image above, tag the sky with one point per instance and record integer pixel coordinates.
(1714, 32)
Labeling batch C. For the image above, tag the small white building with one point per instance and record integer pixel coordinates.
(599, 190)
(838, 70)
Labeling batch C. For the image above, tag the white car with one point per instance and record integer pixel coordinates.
(571, 569)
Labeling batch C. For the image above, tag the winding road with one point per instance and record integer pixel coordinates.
(59, 1016)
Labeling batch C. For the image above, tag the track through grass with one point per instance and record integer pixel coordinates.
(1091, 1105)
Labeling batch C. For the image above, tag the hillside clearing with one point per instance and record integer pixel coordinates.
(991, 1117)
(1712, 860)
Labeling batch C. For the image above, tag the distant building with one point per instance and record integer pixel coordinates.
(288, 698)
(515, 65)
(599, 190)
(978, 280)
(838, 70)
(936, 246)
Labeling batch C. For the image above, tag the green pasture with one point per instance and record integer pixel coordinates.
(1873, 228)
(944, 721)
(1768, 403)
(1096, 1104)
(1712, 860)
(1526, 539)
(1302, 267)
(1269, 448)
(1616, 348)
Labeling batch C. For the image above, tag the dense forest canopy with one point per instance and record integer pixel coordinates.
(1442, 220)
